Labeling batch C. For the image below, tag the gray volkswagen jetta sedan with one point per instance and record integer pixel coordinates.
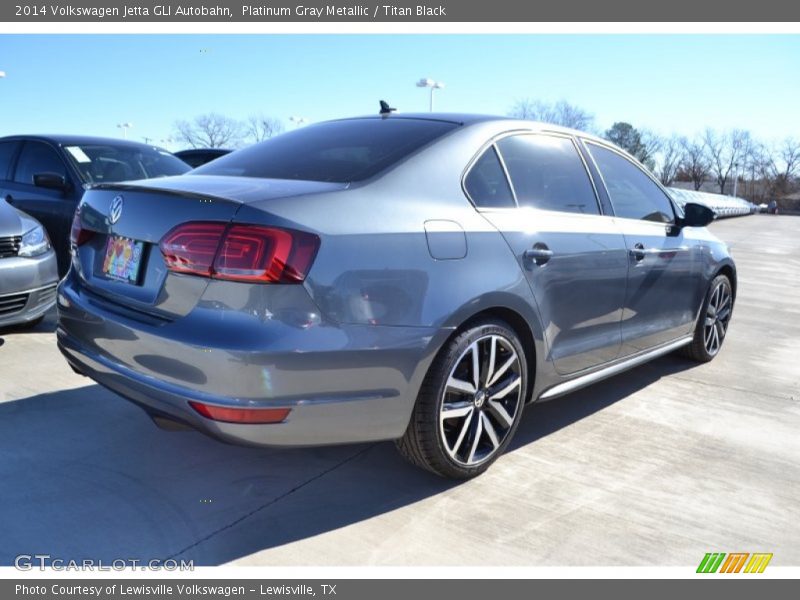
(418, 278)
(28, 269)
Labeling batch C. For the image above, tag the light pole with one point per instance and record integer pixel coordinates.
(124, 127)
(298, 121)
(735, 177)
(433, 85)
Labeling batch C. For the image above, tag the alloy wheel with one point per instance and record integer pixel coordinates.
(481, 399)
(718, 314)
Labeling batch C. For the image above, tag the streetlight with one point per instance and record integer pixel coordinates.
(298, 121)
(735, 177)
(433, 85)
(124, 127)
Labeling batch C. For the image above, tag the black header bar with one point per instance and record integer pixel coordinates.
(444, 11)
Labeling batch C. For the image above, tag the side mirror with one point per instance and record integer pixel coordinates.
(51, 181)
(696, 215)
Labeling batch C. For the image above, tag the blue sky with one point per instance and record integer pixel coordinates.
(89, 83)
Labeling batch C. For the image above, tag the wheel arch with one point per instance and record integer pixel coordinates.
(513, 311)
(417, 444)
(520, 327)
(729, 270)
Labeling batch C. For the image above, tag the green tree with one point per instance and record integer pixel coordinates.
(639, 144)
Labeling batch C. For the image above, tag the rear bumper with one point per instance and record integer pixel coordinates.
(342, 383)
(27, 288)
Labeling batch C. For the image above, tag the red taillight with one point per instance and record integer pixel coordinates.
(78, 236)
(241, 415)
(191, 247)
(252, 253)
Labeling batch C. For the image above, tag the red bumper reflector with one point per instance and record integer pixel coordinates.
(78, 236)
(241, 415)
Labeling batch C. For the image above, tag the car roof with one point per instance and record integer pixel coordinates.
(458, 118)
(75, 140)
(467, 119)
(189, 151)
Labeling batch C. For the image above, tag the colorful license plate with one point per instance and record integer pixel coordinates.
(123, 258)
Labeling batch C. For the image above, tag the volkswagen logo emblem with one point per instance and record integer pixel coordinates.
(116, 209)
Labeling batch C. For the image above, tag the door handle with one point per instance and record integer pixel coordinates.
(539, 254)
(638, 252)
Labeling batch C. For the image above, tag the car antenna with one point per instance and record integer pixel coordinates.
(386, 110)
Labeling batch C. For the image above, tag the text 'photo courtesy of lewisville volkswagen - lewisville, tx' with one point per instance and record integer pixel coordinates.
(290, 297)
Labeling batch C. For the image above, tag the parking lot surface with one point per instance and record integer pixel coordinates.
(656, 466)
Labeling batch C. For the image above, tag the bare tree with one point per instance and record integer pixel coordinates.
(569, 115)
(725, 151)
(784, 165)
(694, 162)
(211, 130)
(261, 127)
(668, 159)
(652, 146)
(559, 113)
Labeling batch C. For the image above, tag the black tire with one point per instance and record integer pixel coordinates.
(715, 315)
(464, 446)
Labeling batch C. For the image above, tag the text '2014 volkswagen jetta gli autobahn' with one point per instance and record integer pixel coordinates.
(418, 278)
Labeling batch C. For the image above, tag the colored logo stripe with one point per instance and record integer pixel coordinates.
(735, 561)
(711, 562)
(758, 563)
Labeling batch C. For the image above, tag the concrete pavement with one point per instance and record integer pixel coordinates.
(656, 466)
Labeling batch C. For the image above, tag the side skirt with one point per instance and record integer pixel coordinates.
(613, 369)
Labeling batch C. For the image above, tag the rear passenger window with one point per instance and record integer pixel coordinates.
(633, 194)
(6, 154)
(547, 172)
(486, 183)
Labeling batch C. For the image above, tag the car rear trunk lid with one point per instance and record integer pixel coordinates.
(121, 263)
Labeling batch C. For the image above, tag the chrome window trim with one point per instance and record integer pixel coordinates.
(476, 157)
(507, 174)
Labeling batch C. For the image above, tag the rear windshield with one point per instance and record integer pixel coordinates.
(109, 163)
(336, 151)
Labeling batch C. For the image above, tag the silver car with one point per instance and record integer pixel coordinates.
(418, 278)
(28, 269)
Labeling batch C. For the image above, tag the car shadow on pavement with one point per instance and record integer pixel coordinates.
(86, 475)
